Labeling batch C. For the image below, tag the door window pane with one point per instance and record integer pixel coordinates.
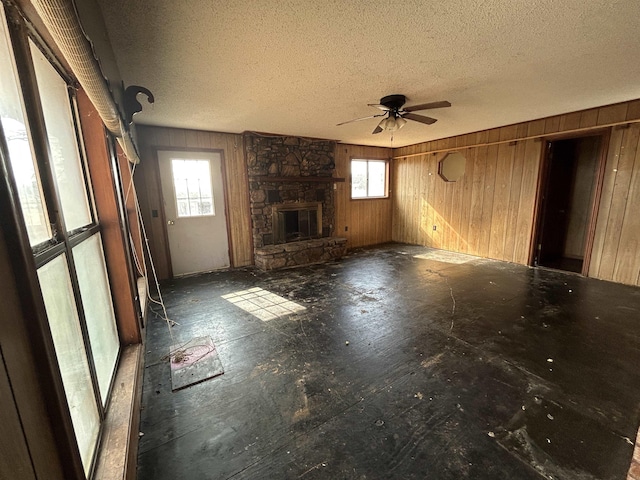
(62, 142)
(192, 187)
(98, 310)
(20, 153)
(72, 360)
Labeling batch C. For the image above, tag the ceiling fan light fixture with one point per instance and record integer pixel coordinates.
(389, 124)
(395, 116)
(392, 123)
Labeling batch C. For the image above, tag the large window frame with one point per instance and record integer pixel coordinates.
(367, 187)
(59, 248)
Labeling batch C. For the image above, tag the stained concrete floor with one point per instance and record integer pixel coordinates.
(456, 367)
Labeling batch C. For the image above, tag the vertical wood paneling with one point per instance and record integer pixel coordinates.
(465, 211)
(429, 192)
(621, 186)
(369, 221)
(491, 210)
(526, 203)
(450, 224)
(457, 189)
(589, 118)
(489, 186)
(616, 243)
(570, 121)
(147, 182)
(615, 143)
(514, 202)
(501, 197)
(633, 110)
(477, 195)
(438, 203)
(612, 113)
(627, 266)
(423, 213)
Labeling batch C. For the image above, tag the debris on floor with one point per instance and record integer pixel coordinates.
(194, 362)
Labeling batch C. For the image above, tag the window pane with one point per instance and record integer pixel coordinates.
(98, 309)
(377, 173)
(72, 359)
(20, 154)
(192, 187)
(62, 142)
(358, 179)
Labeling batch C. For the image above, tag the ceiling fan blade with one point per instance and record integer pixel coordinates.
(363, 118)
(427, 106)
(420, 118)
(381, 107)
(378, 129)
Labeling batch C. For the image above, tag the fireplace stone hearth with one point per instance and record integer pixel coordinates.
(303, 252)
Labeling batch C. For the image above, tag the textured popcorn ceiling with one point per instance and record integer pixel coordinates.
(300, 67)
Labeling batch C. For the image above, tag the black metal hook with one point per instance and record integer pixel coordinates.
(131, 103)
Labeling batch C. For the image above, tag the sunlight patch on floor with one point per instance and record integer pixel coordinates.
(263, 304)
(446, 257)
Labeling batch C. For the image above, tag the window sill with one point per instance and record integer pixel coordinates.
(117, 459)
(369, 198)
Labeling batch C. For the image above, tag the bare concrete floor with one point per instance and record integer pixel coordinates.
(455, 367)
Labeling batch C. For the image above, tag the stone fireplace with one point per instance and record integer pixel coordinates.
(291, 187)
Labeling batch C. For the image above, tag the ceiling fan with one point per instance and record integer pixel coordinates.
(395, 116)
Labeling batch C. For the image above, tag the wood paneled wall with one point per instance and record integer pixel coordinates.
(147, 183)
(490, 211)
(368, 221)
(616, 249)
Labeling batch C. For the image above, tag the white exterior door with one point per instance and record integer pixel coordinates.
(193, 194)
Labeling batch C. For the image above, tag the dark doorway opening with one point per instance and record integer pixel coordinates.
(570, 186)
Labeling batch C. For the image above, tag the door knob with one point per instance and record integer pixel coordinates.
(170, 222)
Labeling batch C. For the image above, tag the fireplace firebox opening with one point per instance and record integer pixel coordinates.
(296, 221)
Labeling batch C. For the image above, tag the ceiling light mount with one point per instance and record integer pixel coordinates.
(393, 102)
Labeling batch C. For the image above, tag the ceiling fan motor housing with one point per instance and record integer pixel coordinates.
(394, 102)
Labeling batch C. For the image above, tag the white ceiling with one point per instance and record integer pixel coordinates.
(299, 67)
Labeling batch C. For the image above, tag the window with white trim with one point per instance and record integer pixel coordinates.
(369, 178)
